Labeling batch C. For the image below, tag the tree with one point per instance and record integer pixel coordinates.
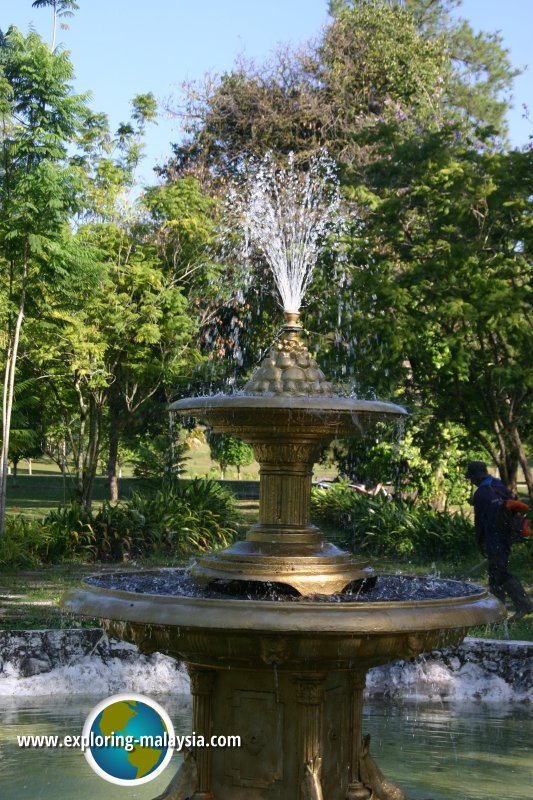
(481, 75)
(62, 9)
(410, 102)
(378, 63)
(24, 434)
(228, 451)
(451, 237)
(39, 118)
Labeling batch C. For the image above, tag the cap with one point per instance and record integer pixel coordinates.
(476, 469)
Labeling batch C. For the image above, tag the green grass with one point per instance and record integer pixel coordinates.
(31, 599)
(34, 495)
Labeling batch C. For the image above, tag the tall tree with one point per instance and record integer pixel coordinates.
(39, 119)
(126, 340)
(376, 63)
(62, 9)
(450, 236)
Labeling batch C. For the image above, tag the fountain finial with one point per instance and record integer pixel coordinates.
(289, 369)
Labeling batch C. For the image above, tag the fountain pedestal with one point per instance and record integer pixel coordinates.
(288, 415)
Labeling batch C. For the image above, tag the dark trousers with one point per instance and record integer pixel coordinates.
(498, 556)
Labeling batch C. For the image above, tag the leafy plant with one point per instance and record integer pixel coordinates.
(394, 528)
(189, 516)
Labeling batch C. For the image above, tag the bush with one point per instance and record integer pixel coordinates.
(394, 528)
(21, 544)
(179, 520)
(69, 533)
(61, 536)
(184, 518)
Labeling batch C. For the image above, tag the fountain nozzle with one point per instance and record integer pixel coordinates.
(292, 320)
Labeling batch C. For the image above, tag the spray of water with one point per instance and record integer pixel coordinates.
(287, 216)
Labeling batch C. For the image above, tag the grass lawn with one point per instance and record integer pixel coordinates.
(34, 495)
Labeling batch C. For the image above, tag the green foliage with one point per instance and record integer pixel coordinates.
(70, 533)
(395, 528)
(63, 535)
(480, 74)
(453, 248)
(39, 190)
(422, 459)
(375, 61)
(156, 457)
(23, 543)
(178, 520)
(189, 517)
(229, 451)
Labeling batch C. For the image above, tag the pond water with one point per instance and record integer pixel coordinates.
(434, 751)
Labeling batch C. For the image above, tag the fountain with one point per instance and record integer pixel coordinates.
(278, 631)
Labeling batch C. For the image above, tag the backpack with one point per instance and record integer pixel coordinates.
(511, 518)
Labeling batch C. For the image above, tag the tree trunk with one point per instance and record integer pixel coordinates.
(112, 473)
(7, 400)
(55, 29)
(524, 463)
(90, 463)
(115, 429)
(78, 451)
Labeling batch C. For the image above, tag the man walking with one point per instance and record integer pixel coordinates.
(492, 537)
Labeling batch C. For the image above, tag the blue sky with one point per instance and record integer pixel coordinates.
(124, 47)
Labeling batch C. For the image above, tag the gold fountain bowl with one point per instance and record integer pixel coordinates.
(251, 417)
(250, 634)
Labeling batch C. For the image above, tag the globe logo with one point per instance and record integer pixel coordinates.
(128, 739)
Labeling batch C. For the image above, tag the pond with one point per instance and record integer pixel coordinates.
(434, 751)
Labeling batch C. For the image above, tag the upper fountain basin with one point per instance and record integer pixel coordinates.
(251, 413)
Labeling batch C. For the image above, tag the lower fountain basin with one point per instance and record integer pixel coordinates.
(162, 611)
(286, 674)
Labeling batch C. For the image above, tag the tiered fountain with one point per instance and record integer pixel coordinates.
(278, 631)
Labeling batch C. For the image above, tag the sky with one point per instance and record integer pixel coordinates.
(121, 48)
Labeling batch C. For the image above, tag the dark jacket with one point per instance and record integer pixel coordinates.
(487, 501)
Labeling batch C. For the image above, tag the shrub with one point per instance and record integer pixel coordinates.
(20, 544)
(187, 517)
(69, 533)
(178, 520)
(60, 536)
(394, 528)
